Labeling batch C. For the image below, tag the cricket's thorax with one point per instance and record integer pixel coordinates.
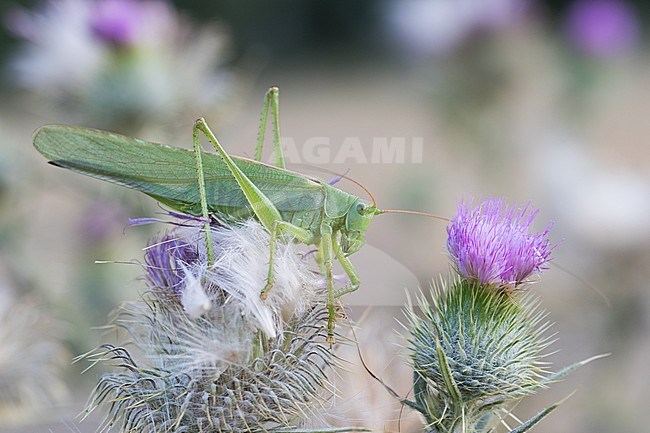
(353, 224)
(333, 212)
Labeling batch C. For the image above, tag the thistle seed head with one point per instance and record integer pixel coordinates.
(176, 267)
(206, 353)
(210, 373)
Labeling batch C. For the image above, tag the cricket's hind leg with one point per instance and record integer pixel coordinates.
(326, 254)
(272, 101)
(263, 208)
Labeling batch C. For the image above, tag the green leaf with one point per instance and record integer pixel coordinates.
(534, 420)
(566, 370)
(537, 418)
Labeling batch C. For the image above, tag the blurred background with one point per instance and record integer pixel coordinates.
(425, 102)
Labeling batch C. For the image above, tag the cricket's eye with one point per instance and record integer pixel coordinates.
(361, 207)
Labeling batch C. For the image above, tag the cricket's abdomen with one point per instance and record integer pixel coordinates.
(310, 221)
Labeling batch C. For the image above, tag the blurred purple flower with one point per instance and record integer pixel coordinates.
(72, 57)
(100, 220)
(429, 28)
(602, 28)
(165, 259)
(116, 21)
(491, 244)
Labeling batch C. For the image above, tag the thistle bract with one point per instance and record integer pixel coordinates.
(492, 244)
(473, 351)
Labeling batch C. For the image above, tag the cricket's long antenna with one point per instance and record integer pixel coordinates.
(372, 197)
(587, 283)
(414, 212)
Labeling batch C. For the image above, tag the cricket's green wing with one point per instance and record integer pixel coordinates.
(169, 174)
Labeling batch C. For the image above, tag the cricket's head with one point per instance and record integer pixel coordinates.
(353, 236)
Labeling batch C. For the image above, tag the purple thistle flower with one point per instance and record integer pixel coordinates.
(117, 21)
(165, 260)
(492, 245)
(603, 28)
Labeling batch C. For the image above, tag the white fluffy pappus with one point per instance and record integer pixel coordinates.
(241, 268)
(211, 341)
(193, 297)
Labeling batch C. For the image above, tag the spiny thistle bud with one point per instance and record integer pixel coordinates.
(476, 348)
(217, 359)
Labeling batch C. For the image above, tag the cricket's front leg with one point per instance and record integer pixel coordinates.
(200, 176)
(349, 270)
(326, 250)
(279, 228)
